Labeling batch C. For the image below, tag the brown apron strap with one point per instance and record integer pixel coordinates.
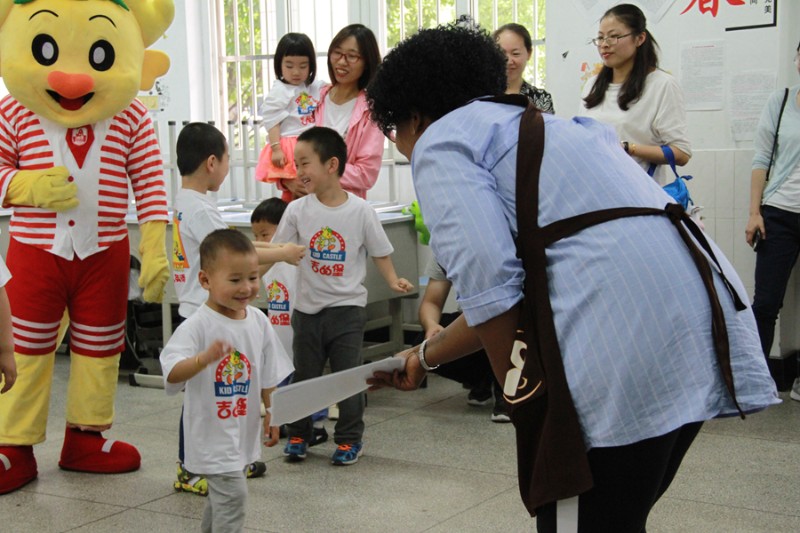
(568, 226)
(551, 453)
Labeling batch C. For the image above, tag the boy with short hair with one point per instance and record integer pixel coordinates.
(280, 282)
(203, 162)
(329, 315)
(227, 358)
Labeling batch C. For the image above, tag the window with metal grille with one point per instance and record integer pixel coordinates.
(249, 30)
(404, 17)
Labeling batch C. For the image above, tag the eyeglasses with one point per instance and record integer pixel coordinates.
(611, 40)
(349, 57)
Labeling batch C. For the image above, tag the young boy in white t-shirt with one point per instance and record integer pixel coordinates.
(329, 315)
(228, 359)
(280, 282)
(203, 162)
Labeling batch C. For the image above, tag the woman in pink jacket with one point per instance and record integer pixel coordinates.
(353, 58)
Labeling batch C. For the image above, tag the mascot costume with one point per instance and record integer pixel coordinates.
(73, 137)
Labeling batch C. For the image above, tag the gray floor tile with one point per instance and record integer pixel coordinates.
(431, 464)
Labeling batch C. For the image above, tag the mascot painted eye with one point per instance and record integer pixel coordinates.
(45, 49)
(101, 55)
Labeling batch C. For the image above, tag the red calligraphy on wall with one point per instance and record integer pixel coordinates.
(710, 6)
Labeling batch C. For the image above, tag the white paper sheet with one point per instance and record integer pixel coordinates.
(299, 400)
(702, 74)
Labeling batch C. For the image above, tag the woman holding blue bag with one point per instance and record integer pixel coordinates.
(642, 102)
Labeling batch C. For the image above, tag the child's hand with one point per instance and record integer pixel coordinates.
(215, 352)
(278, 159)
(8, 370)
(401, 285)
(293, 253)
(271, 433)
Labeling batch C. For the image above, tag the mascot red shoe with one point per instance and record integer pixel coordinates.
(73, 137)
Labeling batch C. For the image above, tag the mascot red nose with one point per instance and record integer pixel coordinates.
(73, 139)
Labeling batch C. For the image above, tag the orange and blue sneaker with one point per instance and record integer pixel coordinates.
(295, 449)
(347, 454)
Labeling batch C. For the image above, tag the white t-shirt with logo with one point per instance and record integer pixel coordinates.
(280, 282)
(195, 216)
(338, 239)
(222, 405)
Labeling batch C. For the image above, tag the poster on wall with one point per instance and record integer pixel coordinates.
(702, 74)
(654, 10)
(734, 14)
(748, 92)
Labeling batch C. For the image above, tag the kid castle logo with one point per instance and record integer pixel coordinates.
(306, 105)
(232, 384)
(278, 304)
(327, 245)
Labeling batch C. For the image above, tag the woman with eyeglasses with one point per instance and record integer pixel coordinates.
(515, 41)
(642, 102)
(353, 58)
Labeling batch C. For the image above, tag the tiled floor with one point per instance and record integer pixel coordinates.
(432, 463)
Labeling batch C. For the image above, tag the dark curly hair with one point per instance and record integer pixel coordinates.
(434, 72)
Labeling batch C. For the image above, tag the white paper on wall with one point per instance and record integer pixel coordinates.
(748, 94)
(702, 74)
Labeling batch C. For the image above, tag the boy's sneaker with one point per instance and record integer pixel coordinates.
(347, 454)
(480, 395)
(254, 470)
(500, 410)
(318, 436)
(191, 483)
(295, 449)
(795, 394)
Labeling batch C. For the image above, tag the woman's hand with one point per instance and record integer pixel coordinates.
(409, 379)
(754, 223)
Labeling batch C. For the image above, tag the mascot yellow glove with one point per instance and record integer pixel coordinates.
(49, 188)
(153, 251)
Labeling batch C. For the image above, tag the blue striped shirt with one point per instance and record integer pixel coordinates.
(630, 309)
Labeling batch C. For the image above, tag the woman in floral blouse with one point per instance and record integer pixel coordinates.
(515, 41)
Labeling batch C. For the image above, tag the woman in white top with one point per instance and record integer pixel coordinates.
(642, 102)
(353, 58)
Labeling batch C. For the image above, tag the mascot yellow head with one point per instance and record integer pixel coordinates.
(76, 62)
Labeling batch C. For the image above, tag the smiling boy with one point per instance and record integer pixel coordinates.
(228, 358)
(340, 229)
